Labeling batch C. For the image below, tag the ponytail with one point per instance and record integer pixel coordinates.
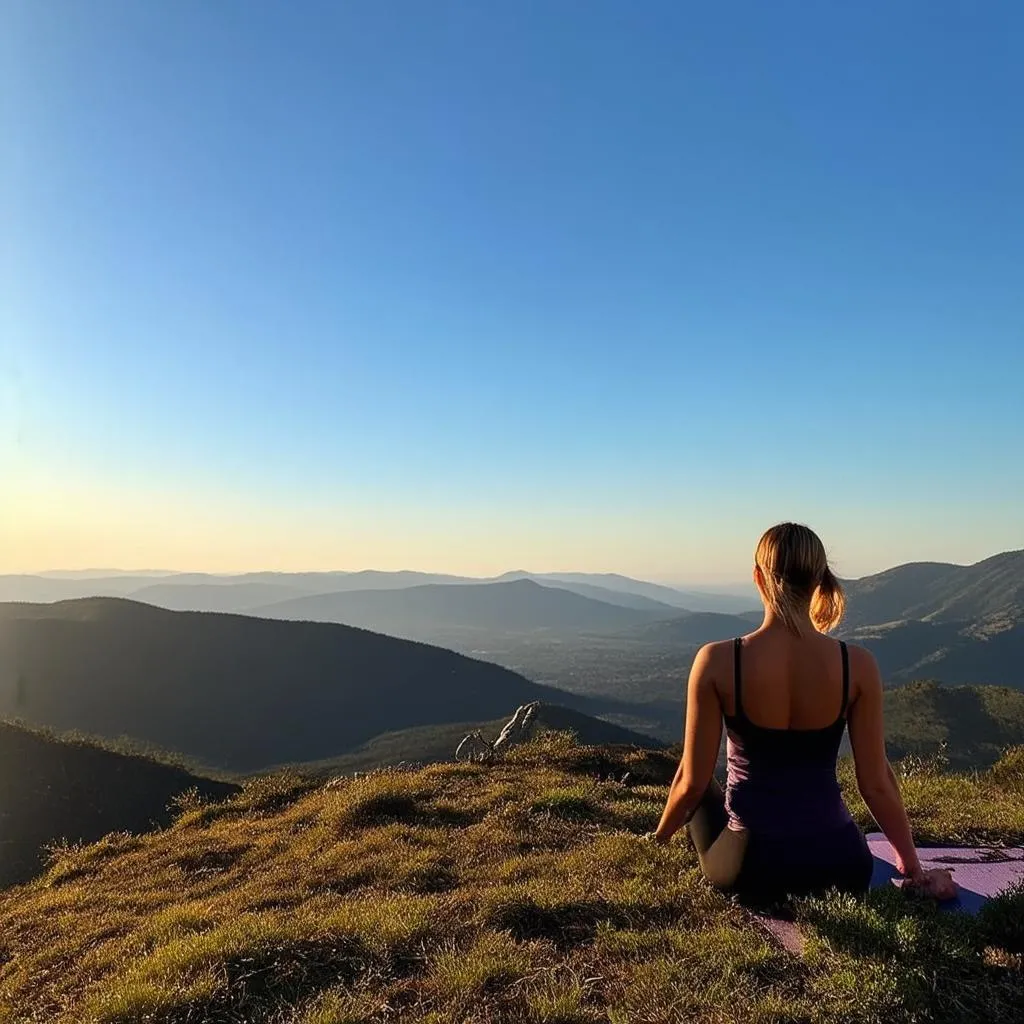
(794, 573)
(828, 603)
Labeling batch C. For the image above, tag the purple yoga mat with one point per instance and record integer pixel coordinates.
(980, 873)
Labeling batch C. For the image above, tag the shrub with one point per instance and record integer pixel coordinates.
(1001, 921)
(1009, 769)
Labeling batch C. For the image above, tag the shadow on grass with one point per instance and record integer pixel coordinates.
(567, 925)
(402, 808)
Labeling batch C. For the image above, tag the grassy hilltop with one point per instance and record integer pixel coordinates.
(521, 891)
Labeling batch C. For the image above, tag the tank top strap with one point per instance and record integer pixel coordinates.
(846, 678)
(737, 647)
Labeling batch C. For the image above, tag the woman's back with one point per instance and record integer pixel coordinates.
(785, 726)
(788, 682)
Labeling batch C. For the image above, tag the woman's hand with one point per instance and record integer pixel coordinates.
(909, 868)
(936, 882)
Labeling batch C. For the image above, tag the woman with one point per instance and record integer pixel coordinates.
(786, 693)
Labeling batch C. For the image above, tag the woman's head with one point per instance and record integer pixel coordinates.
(791, 571)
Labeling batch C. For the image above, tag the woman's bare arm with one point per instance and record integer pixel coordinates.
(700, 748)
(875, 777)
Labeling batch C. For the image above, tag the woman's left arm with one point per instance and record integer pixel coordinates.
(700, 748)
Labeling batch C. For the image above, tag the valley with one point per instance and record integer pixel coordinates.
(308, 676)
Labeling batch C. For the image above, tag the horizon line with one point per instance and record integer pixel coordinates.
(665, 581)
(111, 571)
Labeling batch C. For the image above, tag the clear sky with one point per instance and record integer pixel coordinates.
(473, 286)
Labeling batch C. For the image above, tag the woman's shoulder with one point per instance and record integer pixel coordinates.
(716, 650)
(715, 660)
(860, 657)
(864, 673)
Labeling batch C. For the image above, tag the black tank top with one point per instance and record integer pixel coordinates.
(784, 780)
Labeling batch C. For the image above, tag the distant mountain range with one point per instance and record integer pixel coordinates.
(215, 597)
(242, 693)
(601, 633)
(250, 591)
(436, 613)
(623, 598)
(54, 789)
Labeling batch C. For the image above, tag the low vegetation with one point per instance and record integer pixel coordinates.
(969, 725)
(68, 789)
(521, 891)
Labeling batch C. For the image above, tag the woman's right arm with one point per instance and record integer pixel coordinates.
(875, 777)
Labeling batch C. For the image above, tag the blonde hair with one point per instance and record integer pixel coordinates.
(795, 574)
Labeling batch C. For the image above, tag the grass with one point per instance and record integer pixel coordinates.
(519, 892)
(65, 789)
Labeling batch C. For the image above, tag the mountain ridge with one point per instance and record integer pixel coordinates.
(239, 692)
(940, 592)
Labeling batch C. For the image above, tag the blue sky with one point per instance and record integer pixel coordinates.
(465, 286)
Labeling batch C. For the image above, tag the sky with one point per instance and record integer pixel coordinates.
(470, 287)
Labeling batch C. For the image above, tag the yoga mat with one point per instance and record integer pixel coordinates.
(980, 873)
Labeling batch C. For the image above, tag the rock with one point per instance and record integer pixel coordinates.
(517, 730)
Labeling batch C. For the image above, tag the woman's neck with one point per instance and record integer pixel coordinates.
(773, 621)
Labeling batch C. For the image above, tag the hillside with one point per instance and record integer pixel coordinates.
(614, 588)
(518, 893)
(438, 612)
(214, 597)
(950, 652)
(236, 692)
(621, 598)
(687, 599)
(972, 723)
(55, 789)
(992, 589)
